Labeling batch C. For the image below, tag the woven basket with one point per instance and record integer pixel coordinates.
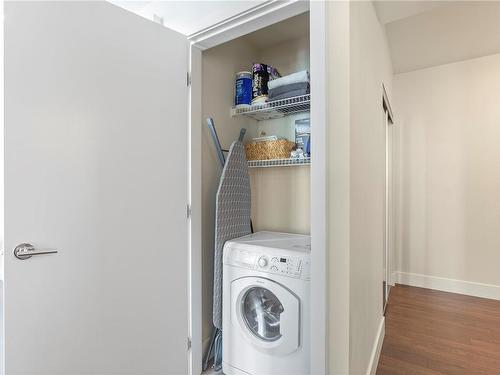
(266, 150)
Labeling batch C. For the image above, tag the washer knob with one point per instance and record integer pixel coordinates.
(262, 262)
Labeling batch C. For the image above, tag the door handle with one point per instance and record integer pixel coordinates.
(25, 251)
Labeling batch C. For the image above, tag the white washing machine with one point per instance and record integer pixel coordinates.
(266, 305)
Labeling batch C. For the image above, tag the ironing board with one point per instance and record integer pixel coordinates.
(232, 215)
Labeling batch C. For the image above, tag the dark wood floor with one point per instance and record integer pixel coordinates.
(429, 332)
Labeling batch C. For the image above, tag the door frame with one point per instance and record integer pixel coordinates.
(256, 18)
(2, 196)
(388, 190)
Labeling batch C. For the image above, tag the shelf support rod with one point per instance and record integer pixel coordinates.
(215, 138)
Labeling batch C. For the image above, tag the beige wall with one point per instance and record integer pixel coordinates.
(288, 57)
(280, 196)
(280, 199)
(218, 68)
(450, 128)
(370, 68)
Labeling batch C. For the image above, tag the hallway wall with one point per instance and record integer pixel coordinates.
(450, 196)
(370, 68)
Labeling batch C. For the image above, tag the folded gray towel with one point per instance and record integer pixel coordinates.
(289, 94)
(302, 76)
(286, 88)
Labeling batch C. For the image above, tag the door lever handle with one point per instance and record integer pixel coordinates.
(25, 251)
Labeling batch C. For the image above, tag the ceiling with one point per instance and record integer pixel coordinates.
(425, 34)
(421, 34)
(390, 11)
(187, 17)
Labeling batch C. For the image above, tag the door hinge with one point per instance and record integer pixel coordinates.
(188, 79)
(188, 212)
(189, 343)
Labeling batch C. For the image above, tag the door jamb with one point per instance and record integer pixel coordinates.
(319, 264)
(195, 298)
(389, 121)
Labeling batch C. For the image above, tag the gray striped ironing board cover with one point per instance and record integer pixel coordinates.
(232, 215)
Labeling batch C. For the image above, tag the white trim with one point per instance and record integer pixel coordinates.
(195, 201)
(256, 18)
(377, 349)
(2, 192)
(443, 284)
(319, 264)
(394, 278)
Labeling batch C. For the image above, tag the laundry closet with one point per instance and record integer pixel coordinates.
(280, 187)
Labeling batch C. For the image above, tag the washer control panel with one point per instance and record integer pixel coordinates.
(282, 265)
(276, 262)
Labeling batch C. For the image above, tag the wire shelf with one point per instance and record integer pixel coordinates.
(278, 163)
(275, 109)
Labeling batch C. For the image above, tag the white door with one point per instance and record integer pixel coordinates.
(95, 167)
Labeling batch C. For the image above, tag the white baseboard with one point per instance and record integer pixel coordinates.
(450, 285)
(393, 278)
(377, 348)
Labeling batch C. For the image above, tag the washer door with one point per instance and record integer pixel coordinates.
(267, 314)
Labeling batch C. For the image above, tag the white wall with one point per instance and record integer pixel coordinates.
(337, 180)
(450, 128)
(370, 68)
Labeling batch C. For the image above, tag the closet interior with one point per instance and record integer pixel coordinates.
(280, 188)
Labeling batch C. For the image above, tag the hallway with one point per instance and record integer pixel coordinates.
(430, 332)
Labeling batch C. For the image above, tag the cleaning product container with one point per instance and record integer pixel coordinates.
(261, 75)
(243, 90)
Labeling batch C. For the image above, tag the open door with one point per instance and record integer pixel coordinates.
(96, 167)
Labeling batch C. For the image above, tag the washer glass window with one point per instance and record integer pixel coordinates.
(261, 311)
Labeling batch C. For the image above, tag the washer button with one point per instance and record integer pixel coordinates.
(262, 262)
